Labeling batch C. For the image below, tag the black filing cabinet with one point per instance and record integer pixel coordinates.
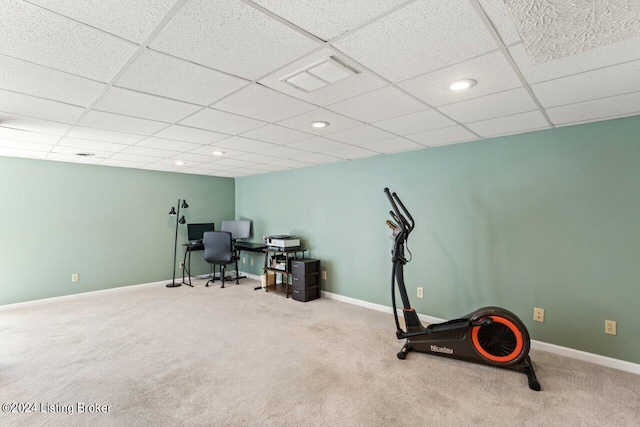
(305, 279)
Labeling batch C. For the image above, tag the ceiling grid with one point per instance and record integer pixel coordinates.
(195, 86)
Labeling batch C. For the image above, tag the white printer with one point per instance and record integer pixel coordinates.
(283, 242)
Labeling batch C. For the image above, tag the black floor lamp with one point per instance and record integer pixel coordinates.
(179, 220)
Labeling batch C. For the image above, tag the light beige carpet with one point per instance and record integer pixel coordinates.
(239, 357)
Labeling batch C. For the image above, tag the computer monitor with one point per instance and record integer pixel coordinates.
(240, 229)
(196, 231)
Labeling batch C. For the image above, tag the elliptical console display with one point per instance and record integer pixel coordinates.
(490, 335)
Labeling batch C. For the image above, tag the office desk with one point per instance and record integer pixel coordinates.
(237, 247)
(249, 247)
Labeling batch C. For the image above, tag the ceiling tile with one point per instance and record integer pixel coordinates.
(172, 162)
(290, 163)
(103, 135)
(215, 166)
(318, 158)
(37, 35)
(421, 121)
(276, 134)
(191, 158)
(160, 74)
(133, 158)
(223, 35)
(318, 144)
(167, 144)
(392, 145)
(501, 19)
(491, 106)
(72, 158)
(196, 171)
(362, 82)
(266, 167)
(360, 135)
(492, 72)
(36, 80)
(597, 109)
(130, 20)
(284, 152)
(596, 58)
(329, 19)
(123, 164)
(91, 145)
(16, 152)
(130, 103)
(116, 122)
(185, 133)
(443, 136)
(262, 103)
(24, 145)
(256, 158)
(419, 38)
(235, 162)
(243, 144)
(33, 125)
(61, 149)
(552, 30)
(163, 167)
(22, 135)
(220, 121)
(303, 122)
(609, 81)
(378, 105)
(510, 124)
(30, 106)
(208, 150)
(148, 152)
(351, 153)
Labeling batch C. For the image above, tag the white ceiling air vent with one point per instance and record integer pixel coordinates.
(319, 75)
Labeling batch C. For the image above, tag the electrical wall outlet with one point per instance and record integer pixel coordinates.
(324, 274)
(75, 277)
(181, 265)
(538, 314)
(420, 293)
(610, 327)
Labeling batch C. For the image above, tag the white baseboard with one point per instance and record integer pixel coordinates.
(597, 359)
(81, 295)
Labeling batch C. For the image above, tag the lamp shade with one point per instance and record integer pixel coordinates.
(184, 204)
(173, 211)
(182, 220)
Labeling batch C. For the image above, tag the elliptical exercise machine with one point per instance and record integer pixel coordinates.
(490, 335)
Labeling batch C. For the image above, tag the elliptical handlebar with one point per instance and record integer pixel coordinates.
(406, 225)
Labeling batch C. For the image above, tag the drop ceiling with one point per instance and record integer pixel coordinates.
(162, 84)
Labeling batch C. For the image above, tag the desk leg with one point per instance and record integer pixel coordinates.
(186, 266)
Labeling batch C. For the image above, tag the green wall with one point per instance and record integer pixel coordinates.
(109, 225)
(547, 219)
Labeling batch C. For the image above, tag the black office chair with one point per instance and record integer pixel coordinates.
(218, 250)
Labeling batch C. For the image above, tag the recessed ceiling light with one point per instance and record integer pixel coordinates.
(179, 163)
(462, 84)
(218, 153)
(319, 124)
